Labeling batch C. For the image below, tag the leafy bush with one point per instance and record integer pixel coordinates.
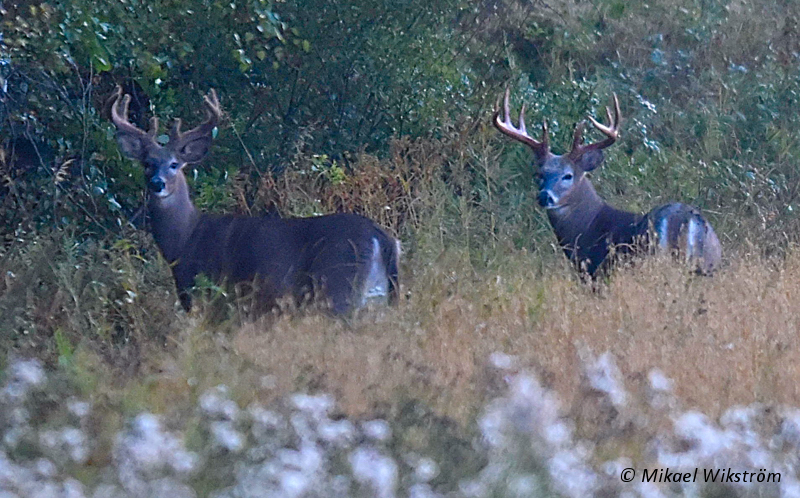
(383, 108)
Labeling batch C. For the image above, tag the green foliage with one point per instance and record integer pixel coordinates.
(65, 57)
(384, 107)
(296, 77)
(64, 348)
(58, 293)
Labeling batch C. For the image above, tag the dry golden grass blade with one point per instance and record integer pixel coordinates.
(62, 173)
(726, 340)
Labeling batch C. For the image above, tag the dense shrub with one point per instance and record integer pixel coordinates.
(384, 108)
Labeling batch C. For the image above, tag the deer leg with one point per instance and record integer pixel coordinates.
(334, 285)
(185, 298)
(184, 280)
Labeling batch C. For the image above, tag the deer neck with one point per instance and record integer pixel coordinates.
(577, 213)
(173, 219)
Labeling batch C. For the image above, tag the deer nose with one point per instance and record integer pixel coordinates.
(156, 184)
(545, 199)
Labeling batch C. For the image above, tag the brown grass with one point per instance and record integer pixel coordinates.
(726, 340)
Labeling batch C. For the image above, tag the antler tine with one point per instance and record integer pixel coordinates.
(611, 132)
(175, 131)
(213, 111)
(213, 116)
(519, 133)
(121, 121)
(577, 136)
(211, 102)
(612, 129)
(153, 130)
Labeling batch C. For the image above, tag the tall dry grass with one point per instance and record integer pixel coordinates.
(469, 290)
(725, 340)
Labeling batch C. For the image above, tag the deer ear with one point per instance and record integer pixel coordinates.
(132, 146)
(195, 150)
(590, 160)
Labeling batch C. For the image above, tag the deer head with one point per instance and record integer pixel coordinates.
(164, 164)
(559, 176)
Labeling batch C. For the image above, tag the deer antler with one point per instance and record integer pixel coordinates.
(213, 116)
(121, 121)
(520, 133)
(611, 132)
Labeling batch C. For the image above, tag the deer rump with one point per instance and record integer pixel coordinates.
(341, 260)
(615, 235)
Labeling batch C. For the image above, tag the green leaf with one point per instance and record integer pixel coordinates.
(101, 64)
(64, 348)
(616, 10)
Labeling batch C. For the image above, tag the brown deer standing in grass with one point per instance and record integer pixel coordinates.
(586, 226)
(343, 260)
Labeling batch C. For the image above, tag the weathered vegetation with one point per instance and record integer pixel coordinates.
(384, 109)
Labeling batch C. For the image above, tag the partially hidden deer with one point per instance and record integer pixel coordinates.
(341, 260)
(588, 228)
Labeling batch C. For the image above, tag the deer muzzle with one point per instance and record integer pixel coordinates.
(156, 185)
(547, 199)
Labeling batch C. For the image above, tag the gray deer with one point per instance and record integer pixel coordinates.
(587, 227)
(341, 260)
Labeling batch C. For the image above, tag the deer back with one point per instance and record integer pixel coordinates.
(346, 256)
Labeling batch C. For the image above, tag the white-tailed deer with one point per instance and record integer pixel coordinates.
(343, 260)
(586, 226)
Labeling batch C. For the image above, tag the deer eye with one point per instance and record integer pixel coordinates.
(567, 177)
(173, 165)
